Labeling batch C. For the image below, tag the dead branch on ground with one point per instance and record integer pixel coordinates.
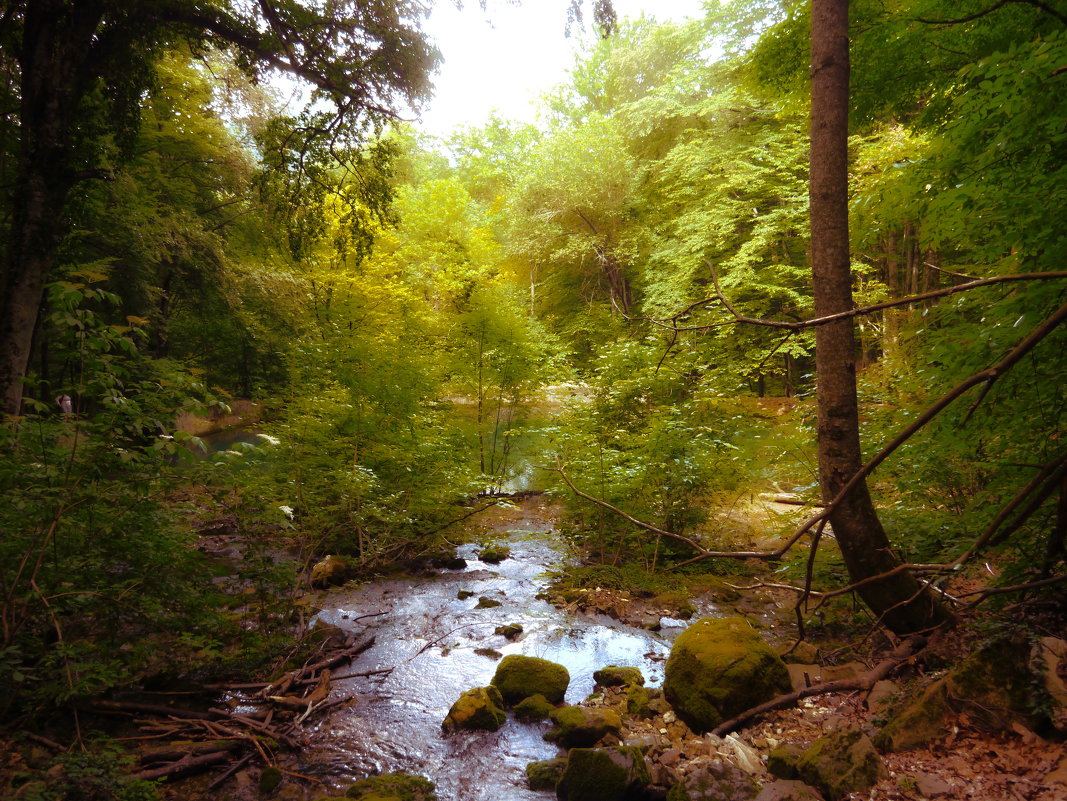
(902, 653)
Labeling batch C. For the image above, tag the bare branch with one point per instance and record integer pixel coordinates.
(832, 318)
(902, 653)
(1038, 4)
(696, 546)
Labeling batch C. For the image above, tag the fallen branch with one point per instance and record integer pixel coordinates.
(174, 754)
(902, 653)
(185, 766)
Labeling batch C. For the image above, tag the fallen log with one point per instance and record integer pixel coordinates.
(134, 707)
(177, 751)
(185, 766)
(866, 681)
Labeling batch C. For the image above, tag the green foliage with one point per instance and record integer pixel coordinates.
(97, 774)
(98, 578)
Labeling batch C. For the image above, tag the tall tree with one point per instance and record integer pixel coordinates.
(82, 67)
(901, 603)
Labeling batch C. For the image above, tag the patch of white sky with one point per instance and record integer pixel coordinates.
(505, 58)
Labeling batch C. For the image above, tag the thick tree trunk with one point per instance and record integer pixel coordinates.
(56, 43)
(899, 601)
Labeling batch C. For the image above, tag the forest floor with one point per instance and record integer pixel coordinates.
(969, 763)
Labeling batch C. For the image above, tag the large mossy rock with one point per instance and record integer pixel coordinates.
(518, 677)
(840, 763)
(480, 708)
(715, 781)
(719, 668)
(996, 686)
(603, 774)
(582, 726)
(393, 787)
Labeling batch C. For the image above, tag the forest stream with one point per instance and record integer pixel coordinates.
(429, 638)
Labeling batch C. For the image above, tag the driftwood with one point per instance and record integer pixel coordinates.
(864, 682)
(205, 739)
(296, 702)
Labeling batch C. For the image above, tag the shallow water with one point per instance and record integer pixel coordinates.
(429, 638)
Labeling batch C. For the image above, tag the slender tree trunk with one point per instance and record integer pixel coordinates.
(899, 601)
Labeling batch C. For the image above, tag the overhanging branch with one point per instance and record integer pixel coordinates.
(737, 317)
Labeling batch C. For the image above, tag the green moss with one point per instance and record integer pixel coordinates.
(463, 595)
(545, 775)
(676, 603)
(616, 676)
(638, 702)
(581, 726)
(533, 709)
(479, 708)
(494, 554)
(995, 686)
(841, 763)
(518, 677)
(782, 760)
(269, 780)
(718, 668)
(392, 787)
(602, 774)
(486, 603)
(509, 632)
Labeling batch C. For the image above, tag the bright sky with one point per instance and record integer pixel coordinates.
(505, 57)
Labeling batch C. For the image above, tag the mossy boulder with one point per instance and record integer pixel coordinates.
(533, 709)
(718, 668)
(392, 787)
(996, 686)
(617, 676)
(582, 726)
(603, 774)
(331, 571)
(714, 781)
(494, 554)
(480, 708)
(486, 603)
(518, 677)
(509, 632)
(545, 775)
(463, 595)
(840, 763)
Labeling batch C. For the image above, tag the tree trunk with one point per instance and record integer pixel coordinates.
(53, 79)
(900, 601)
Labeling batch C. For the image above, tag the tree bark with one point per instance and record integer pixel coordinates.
(899, 601)
(55, 48)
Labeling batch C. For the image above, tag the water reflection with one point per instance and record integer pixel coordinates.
(430, 637)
